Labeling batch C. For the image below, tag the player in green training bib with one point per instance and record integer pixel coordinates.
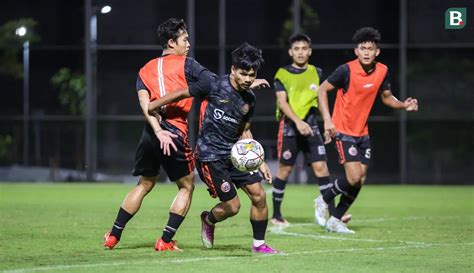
(296, 87)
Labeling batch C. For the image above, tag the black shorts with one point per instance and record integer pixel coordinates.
(149, 156)
(312, 147)
(353, 149)
(221, 178)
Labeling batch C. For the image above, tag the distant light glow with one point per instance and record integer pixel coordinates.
(106, 9)
(21, 31)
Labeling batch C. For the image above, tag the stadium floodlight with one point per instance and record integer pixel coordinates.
(92, 13)
(21, 31)
(105, 9)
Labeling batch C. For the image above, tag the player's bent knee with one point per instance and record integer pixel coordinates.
(189, 187)
(146, 184)
(232, 207)
(284, 171)
(186, 182)
(354, 180)
(259, 199)
(354, 177)
(320, 169)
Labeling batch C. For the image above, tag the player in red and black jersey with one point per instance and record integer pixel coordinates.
(163, 142)
(226, 114)
(358, 83)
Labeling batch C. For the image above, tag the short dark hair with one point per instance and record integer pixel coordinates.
(246, 57)
(366, 34)
(171, 29)
(299, 37)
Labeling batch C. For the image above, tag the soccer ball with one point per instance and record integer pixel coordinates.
(247, 155)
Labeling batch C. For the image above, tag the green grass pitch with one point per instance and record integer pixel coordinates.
(59, 228)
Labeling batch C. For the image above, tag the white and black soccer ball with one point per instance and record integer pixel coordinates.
(247, 155)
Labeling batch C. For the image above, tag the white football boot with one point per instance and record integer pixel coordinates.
(320, 211)
(336, 225)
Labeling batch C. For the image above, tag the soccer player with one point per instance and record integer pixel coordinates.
(296, 87)
(226, 115)
(163, 143)
(358, 83)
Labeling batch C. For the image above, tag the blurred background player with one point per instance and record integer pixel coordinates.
(226, 115)
(163, 143)
(358, 83)
(296, 87)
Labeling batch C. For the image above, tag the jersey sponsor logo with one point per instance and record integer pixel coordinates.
(225, 187)
(287, 154)
(352, 151)
(313, 87)
(219, 114)
(223, 101)
(321, 150)
(368, 85)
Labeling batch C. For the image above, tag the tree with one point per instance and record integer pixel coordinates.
(309, 22)
(11, 44)
(72, 90)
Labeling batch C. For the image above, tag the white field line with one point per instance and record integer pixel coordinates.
(281, 230)
(384, 219)
(200, 259)
(346, 238)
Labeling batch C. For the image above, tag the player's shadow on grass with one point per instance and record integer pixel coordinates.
(299, 220)
(137, 246)
(231, 250)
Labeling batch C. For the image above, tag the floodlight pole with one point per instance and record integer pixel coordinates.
(222, 27)
(296, 16)
(26, 100)
(91, 92)
(190, 20)
(403, 34)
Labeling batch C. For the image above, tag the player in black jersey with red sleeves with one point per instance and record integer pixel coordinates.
(226, 114)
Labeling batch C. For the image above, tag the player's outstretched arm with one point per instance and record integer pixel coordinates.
(246, 133)
(259, 84)
(323, 105)
(285, 107)
(165, 137)
(264, 169)
(155, 105)
(410, 104)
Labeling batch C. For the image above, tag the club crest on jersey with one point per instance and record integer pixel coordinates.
(352, 151)
(287, 154)
(225, 187)
(313, 87)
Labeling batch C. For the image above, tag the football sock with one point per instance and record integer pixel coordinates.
(174, 221)
(257, 243)
(259, 227)
(347, 198)
(278, 193)
(324, 185)
(211, 219)
(122, 219)
(339, 186)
